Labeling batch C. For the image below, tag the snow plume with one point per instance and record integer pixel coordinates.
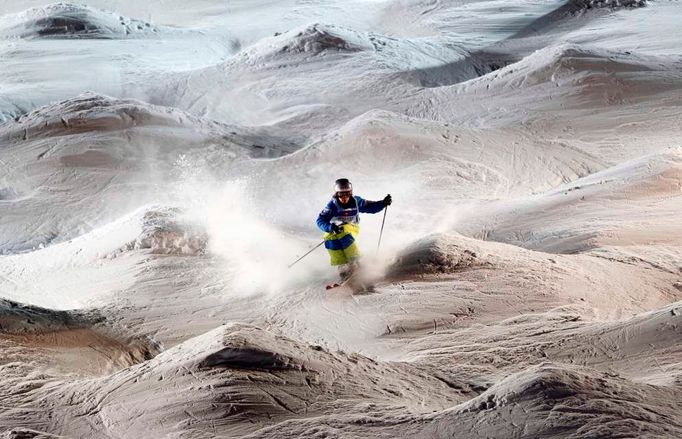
(255, 252)
(455, 218)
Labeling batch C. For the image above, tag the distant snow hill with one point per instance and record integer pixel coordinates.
(599, 73)
(64, 20)
(311, 39)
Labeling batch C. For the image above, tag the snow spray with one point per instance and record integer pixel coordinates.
(253, 252)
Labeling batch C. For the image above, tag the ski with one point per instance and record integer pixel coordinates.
(353, 284)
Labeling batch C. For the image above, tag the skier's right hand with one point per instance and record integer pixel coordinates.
(337, 228)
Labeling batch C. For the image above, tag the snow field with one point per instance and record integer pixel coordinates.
(161, 166)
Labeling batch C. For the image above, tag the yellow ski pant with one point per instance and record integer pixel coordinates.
(342, 247)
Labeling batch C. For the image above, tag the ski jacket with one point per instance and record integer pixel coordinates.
(336, 213)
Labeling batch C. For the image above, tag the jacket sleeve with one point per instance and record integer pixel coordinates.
(366, 206)
(324, 218)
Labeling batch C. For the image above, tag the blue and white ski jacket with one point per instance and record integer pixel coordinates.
(335, 213)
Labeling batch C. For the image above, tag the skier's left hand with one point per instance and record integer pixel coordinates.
(388, 200)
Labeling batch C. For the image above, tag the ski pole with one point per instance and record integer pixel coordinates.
(382, 228)
(309, 252)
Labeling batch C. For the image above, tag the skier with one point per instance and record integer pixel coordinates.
(340, 220)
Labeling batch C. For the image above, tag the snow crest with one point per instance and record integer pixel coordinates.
(596, 71)
(612, 4)
(312, 39)
(65, 20)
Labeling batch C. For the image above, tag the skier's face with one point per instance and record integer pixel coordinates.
(344, 196)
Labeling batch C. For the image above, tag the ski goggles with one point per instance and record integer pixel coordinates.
(344, 194)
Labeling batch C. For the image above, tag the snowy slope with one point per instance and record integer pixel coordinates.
(606, 208)
(162, 165)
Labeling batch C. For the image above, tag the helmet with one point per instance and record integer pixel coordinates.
(343, 185)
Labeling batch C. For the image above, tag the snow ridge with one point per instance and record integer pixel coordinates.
(562, 64)
(66, 20)
(312, 39)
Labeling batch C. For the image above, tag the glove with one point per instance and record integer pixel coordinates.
(336, 228)
(388, 200)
